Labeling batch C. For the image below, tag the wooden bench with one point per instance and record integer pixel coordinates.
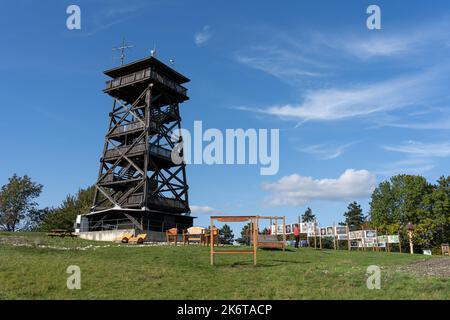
(207, 237)
(193, 234)
(270, 241)
(172, 235)
(139, 239)
(124, 238)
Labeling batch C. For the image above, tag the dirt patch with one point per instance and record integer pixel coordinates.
(13, 240)
(439, 267)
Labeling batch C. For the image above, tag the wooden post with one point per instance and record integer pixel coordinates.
(211, 242)
(334, 236)
(299, 233)
(399, 242)
(348, 237)
(376, 239)
(387, 248)
(320, 238)
(250, 233)
(411, 246)
(362, 240)
(284, 233)
(255, 240)
(271, 225)
(315, 230)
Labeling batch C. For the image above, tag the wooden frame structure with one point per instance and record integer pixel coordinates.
(253, 235)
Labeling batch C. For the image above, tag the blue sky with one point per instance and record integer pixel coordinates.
(354, 106)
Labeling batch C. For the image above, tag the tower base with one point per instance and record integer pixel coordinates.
(139, 220)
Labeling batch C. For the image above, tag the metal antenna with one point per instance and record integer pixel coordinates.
(122, 49)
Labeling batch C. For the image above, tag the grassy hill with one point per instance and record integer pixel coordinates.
(33, 266)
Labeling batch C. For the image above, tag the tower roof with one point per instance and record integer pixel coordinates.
(144, 64)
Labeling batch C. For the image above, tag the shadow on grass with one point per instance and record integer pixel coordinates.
(264, 264)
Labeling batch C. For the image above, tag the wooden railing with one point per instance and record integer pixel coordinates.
(128, 127)
(132, 126)
(140, 148)
(145, 74)
(158, 201)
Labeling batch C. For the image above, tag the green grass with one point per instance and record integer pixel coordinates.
(29, 271)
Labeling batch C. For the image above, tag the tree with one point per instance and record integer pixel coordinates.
(35, 219)
(382, 207)
(64, 216)
(440, 198)
(245, 235)
(433, 226)
(308, 216)
(354, 217)
(410, 198)
(399, 200)
(409, 192)
(226, 234)
(17, 201)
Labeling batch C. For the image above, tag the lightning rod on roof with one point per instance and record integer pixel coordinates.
(153, 51)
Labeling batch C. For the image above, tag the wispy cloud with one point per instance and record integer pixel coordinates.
(109, 15)
(295, 190)
(297, 56)
(203, 36)
(285, 64)
(327, 152)
(420, 157)
(358, 101)
(440, 124)
(420, 149)
(317, 65)
(379, 47)
(395, 43)
(406, 166)
(203, 210)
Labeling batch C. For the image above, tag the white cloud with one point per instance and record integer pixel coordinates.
(111, 15)
(407, 166)
(316, 64)
(407, 42)
(203, 36)
(338, 104)
(295, 190)
(420, 157)
(325, 152)
(420, 149)
(203, 210)
(380, 46)
(431, 125)
(286, 64)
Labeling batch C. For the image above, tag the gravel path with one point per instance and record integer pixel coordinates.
(439, 267)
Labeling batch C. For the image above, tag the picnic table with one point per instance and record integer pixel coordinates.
(60, 233)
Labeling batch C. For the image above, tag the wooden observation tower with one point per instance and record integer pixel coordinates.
(138, 184)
